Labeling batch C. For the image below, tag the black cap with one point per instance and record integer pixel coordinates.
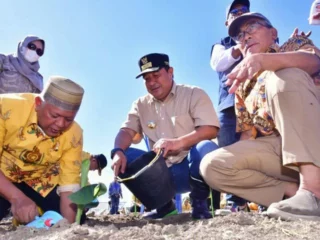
(102, 162)
(235, 2)
(152, 62)
(234, 27)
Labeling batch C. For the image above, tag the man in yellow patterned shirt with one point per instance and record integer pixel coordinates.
(40, 150)
(278, 113)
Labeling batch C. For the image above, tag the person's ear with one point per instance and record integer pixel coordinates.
(170, 71)
(226, 23)
(274, 33)
(38, 102)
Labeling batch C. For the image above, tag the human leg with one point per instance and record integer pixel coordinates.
(250, 169)
(294, 103)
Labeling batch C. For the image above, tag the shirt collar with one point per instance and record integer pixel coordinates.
(33, 119)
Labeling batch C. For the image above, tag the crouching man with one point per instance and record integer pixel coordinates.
(40, 150)
(278, 113)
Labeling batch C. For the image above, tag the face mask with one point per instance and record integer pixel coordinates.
(31, 55)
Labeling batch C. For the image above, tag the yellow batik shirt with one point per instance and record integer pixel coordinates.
(28, 155)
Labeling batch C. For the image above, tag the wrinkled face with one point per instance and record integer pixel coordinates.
(53, 120)
(159, 83)
(256, 37)
(235, 12)
(93, 164)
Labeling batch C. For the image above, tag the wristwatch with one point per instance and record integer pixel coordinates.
(113, 151)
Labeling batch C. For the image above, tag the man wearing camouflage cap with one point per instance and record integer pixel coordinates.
(278, 113)
(41, 148)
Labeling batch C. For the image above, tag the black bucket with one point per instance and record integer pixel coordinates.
(154, 187)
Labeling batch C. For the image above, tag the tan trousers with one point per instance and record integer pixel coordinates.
(253, 169)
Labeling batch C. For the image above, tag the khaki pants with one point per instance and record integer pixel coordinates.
(258, 170)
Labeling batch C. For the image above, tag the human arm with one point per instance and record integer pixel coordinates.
(67, 208)
(23, 208)
(203, 119)
(222, 58)
(69, 173)
(130, 128)
(309, 61)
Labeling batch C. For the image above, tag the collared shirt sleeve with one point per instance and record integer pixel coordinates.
(133, 119)
(221, 58)
(202, 109)
(70, 165)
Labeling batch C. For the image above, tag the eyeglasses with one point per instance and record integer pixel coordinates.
(33, 47)
(251, 28)
(238, 11)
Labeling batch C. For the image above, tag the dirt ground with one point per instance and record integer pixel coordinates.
(233, 226)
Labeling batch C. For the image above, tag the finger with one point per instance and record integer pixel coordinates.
(234, 86)
(116, 169)
(251, 72)
(308, 34)
(165, 152)
(123, 166)
(295, 32)
(242, 75)
(232, 76)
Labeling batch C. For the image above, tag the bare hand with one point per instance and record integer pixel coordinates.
(168, 145)
(246, 69)
(296, 33)
(119, 163)
(236, 53)
(24, 209)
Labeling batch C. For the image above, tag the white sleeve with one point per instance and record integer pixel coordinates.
(222, 59)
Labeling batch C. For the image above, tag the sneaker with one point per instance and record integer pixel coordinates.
(304, 205)
(200, 209)
(165, 211)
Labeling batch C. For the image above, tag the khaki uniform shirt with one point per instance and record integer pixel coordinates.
(185, 108)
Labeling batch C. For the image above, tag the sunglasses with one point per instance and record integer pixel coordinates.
(33, 47)
(237, 11)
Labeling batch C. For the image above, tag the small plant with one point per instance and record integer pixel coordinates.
(86, 197)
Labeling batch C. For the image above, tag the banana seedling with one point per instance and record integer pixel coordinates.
(86, 197)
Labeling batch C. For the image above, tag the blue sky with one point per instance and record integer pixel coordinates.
(97, 43)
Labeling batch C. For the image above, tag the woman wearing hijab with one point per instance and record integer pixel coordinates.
(19, 71)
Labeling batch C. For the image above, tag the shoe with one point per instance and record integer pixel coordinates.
(200, 209)
(165, 211)
(303, 205)
(238, 208)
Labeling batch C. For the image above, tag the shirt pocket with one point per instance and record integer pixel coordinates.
(182, 124)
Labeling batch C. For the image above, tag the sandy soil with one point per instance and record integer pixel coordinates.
(234, 226)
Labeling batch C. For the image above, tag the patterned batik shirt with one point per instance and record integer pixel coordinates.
(28, 155)
(250, 98)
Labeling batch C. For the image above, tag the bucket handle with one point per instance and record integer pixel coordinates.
(137, 174)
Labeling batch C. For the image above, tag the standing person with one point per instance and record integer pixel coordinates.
(177, 118)
(41, 148)
(224, 57)
(278, 107)
(115, 193)
(19, 72)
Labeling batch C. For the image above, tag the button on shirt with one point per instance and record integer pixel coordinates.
(185, 108)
